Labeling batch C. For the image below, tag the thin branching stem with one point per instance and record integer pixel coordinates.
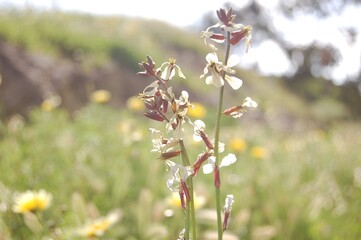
(216, 145)
(190, 215)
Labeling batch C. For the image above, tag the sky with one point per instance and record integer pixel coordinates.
(267, 56)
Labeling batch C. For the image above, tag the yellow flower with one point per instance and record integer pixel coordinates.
(237, 145)
(30, 201)
(50, 103)
(100, 96)
(258, 152)
(135, 104)
(174, 201)
(197, 111)
(99, 226)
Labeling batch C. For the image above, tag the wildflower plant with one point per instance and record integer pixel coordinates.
(163, 105)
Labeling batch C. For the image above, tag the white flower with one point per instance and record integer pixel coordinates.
(199, 126)
(210, 35)
(170, 70)
(226, 161)
(178, 173)
(248, 102)
(237, 111)
(216, 69)
(227, 210)
(228, 203)
(221, 146)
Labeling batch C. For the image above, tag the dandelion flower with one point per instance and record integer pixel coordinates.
(31, 201)
(258, 152)
(197, 111)
(100, 96)
(237, 145)
(99, 226)
(135, 104)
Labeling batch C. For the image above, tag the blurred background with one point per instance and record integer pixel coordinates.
(68, 109)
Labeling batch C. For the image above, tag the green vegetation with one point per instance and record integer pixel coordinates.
(291, 181)
(72, 36)
(295, 188)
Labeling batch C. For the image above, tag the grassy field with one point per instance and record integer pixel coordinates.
(298, 174)
(287, 185)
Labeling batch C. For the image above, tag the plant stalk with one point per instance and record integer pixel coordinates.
(216, 145)
(190, 215)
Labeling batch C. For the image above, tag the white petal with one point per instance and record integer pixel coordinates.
(208, 168)
(180, 73)
(212, 46)
(234, 82)
(217, 79)
(209, 80)
(218, 40)
(165, 73)
(185, 95)
(172, 184)
(228, 203)
(199, 124)
(172, 74)
(205, 71)
(233, 60)
(197, 137)
(237, 114)
(221, 147)
(212, 57)
(212, 160)
(248, 102)
(228, 160)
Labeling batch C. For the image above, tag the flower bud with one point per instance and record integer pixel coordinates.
(225, 17)
(200, 160)
(171, 154)
(225, 220)
(217, 37)
(217, 180)
(185, 189)
(155, 116)
(232, 110)
(206, 140)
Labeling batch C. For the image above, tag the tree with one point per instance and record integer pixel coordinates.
(316, 59)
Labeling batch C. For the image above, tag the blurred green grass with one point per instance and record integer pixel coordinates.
(301, 187)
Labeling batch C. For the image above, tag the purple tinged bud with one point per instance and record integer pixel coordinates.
(168, 155)
(231, 110)
(225, 220)
(155, 116)
(218, 36)
(206, 140)
(185, 190)
(225, 17)
(149, 105)
(217, 180)
(201, 159)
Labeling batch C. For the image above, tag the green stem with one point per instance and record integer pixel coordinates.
(190, 215)
(216, 145)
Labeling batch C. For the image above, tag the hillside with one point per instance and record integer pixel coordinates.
(71, 55)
